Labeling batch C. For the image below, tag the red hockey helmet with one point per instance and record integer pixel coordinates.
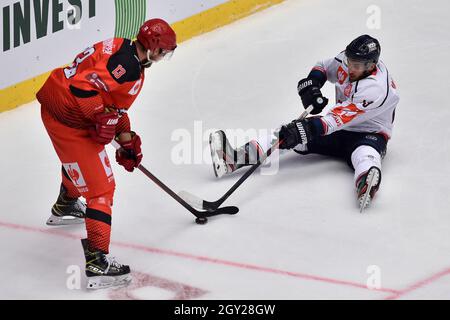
(157, 33)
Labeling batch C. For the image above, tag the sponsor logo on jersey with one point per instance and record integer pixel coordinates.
(74, 172)
(337, 119)
(106, 164)
(348, 90)
(97, 81)
(341, 75)
(345, 114)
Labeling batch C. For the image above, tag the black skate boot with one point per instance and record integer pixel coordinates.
(226, 159)
(66, 211)
(103, 271)
(366, 187)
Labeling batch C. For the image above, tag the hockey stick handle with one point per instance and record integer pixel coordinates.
(306, 112)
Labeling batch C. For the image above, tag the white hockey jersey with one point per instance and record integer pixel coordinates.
(367, 105)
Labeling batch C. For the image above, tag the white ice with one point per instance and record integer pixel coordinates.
(299, 233)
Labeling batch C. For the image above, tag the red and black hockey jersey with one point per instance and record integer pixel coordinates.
(106, 75)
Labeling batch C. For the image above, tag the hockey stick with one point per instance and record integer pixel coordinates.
(200, 215)
(213, 205)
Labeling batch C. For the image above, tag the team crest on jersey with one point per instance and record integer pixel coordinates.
(106, 164)
(74, 172)
(341, 75)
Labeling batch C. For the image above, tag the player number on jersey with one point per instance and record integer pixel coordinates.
(71, 70)
(119, 71)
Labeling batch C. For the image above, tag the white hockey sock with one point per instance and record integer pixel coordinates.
(363, 158)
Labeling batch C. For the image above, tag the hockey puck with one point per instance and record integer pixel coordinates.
(201, 220)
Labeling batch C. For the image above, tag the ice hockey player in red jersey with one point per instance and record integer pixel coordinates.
(356, 129)
(84, 107)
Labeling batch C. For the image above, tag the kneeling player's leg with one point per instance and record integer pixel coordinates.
(367, 163)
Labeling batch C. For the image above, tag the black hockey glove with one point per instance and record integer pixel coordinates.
(296, 132)
(309, 91)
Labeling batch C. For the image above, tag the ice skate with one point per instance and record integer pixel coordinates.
(222, 154)
(103, 271)
(226, 159)
(367, 185)
(66, 211)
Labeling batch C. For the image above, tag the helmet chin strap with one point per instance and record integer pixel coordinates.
(149, 61)
(149, 54)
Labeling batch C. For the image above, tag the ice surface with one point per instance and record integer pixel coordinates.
(299, 234)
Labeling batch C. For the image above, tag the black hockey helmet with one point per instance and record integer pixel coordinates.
(364, 48)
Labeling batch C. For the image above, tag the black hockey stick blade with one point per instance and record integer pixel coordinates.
(231, 210)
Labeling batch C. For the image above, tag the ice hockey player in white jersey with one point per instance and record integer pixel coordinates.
(356, 129)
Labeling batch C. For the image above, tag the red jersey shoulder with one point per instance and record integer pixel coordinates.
(109, 46)
(106, 66)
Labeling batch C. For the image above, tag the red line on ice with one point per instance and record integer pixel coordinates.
(138, 247)
(419, 284)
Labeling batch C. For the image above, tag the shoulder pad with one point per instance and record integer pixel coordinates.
(124, 65)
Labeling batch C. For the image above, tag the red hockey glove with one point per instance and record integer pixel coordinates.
(105, 127)
(130, 155)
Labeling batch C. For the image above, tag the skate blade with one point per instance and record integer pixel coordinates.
(364, 201)
(219, 165)
(102, 282)
(63, 221)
